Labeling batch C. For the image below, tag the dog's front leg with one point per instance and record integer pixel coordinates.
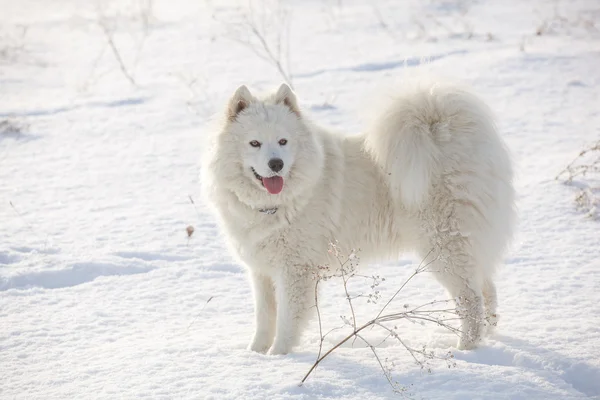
(265, 312)
(295, 301)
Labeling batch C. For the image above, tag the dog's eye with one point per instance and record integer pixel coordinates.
(255, 143)
(283, 142)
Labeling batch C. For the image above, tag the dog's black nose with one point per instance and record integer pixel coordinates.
(276, 164)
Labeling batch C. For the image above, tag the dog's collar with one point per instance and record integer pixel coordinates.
(269, 211)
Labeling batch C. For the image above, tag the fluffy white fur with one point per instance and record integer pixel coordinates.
(431, 176)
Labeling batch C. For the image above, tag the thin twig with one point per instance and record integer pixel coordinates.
(395, 335)
(335, 347)
(322, 338)
(417, 271)
(348, 296)
(115, 51)
(275, 53)
(194, 320)
(194, 204)
(581, 169)
(385, 372)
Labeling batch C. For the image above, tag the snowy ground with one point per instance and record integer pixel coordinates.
(102, 295)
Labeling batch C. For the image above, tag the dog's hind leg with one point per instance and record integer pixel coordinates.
(469, 305)
(457, 271)
(265, 312)
(491, 303)
(295, 301)
(470, 308)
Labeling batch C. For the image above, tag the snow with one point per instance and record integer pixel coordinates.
(103, 295)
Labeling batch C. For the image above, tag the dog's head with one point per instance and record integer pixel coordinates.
(266, 152)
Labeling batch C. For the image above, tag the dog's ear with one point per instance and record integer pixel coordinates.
(239, 101)
(286, 96)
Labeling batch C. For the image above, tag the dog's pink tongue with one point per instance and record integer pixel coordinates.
(273, 184)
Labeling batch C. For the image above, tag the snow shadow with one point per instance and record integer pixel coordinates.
(129, 101)
(509, 351)
(382, 66)
(77, 274)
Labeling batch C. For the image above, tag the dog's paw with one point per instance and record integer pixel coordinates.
(278, 349)
(258, 348)
(491, 321)
(466, 345)
(259, 344)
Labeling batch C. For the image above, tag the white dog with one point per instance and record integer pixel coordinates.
(432, 175)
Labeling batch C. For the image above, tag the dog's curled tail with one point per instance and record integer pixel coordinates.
(413, 134)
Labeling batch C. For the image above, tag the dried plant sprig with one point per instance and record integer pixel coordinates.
(436, 312)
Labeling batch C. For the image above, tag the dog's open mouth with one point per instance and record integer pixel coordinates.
(273, 184)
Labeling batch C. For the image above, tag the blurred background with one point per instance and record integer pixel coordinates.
(119, 93)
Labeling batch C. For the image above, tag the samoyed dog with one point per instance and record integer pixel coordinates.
(431, 175)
